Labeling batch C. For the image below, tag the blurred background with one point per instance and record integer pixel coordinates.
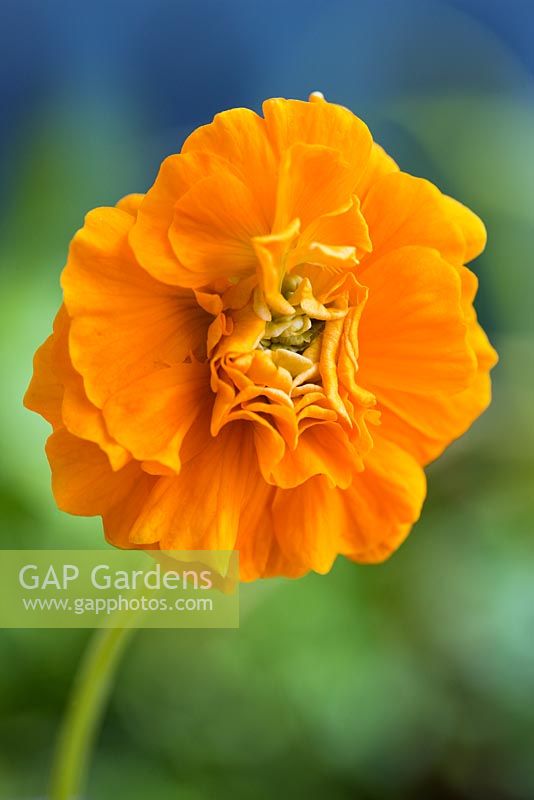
(412, 680)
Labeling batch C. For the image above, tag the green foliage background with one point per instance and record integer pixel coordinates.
(414, 679)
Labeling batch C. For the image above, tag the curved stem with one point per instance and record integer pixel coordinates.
(86, 707)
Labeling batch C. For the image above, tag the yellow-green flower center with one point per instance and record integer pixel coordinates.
(293, 332)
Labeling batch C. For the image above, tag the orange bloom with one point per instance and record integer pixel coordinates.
(264, 351)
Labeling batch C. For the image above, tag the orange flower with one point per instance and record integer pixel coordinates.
(263, 351)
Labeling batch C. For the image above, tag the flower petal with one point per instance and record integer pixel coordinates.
(149, 237)
(45, 392)
(212, 229)
(152, 415)
(471, 226)
(308, 521)
(313, 181)
(322, 449)
(82, 479)
(413, 334)
(348, 228)
(255, 537)
(130, 203)
(378, 164)
(124, 323)
(327, 124)
(401, 210)
(425, 423)
(239, 136)
(382, 503)
(271, 252)
(314, 522)
(57, 393)
(200, 508)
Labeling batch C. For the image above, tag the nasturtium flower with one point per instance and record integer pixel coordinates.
(263, 351)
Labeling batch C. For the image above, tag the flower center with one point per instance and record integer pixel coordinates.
(294, 332)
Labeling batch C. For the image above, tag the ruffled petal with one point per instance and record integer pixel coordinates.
(57, 393)
(425, 423)
(413, 334)
(348, 228)
(200, 508)
(149, 237)
(83, 419)
(131, 203)
(424, 420)
(45, 392)
(308, 521)
(401, 210)
(472, 228)
(281, 565)
(124, 323)
(294, 121)
(382, 503)
(239, 137)
(255, 535)
(82, 479)
(212, 229)
(271, 252)
(152, 415)
(378, 164)
(322, 449)
(313, 181)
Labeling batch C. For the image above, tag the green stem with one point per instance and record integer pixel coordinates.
(85, 711)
